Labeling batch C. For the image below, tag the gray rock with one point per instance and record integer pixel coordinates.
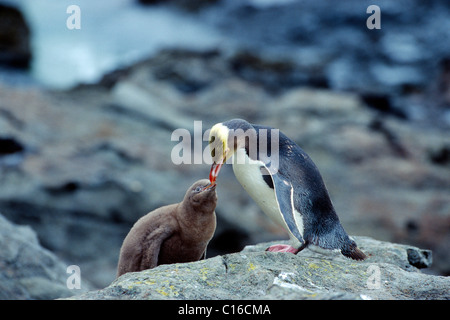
(191, 5)
(335, 49)
(257, 274)
(15, 48)
(28, 271)
(420, 258)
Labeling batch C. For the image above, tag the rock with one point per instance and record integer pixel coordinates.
(15, 48)
(333, 48)
(257, 274)
(28, 271)
(146, 104)
(271, 74)
(191, 5)
(419, 259)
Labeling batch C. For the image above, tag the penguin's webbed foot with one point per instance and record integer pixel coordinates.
(282, 248)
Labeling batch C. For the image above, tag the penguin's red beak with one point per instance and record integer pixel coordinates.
(215, 168)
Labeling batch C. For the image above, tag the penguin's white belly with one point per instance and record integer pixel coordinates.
(250, 177)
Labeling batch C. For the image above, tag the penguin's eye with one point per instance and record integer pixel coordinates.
(198, 189)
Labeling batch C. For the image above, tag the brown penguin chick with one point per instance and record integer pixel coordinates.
(174, 233)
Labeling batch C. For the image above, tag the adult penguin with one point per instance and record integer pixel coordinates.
(284, 182)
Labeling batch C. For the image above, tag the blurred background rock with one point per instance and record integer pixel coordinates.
(86, 116)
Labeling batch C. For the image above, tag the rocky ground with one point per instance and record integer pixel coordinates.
(80, 166)
(28, 271)
(255, 274)
(392, 271)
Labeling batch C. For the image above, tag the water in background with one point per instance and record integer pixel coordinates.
(330, 41)
(113, 33)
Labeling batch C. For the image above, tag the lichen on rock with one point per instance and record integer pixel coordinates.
(257, 274)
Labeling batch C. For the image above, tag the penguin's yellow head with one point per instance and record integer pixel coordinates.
(218, 142)
(220, 150)
(224, 139)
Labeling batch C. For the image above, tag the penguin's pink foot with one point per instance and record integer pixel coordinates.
(282, 248)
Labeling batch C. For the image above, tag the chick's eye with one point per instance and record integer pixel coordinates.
(198, 189)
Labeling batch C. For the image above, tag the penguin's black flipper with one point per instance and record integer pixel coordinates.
(284, 194)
